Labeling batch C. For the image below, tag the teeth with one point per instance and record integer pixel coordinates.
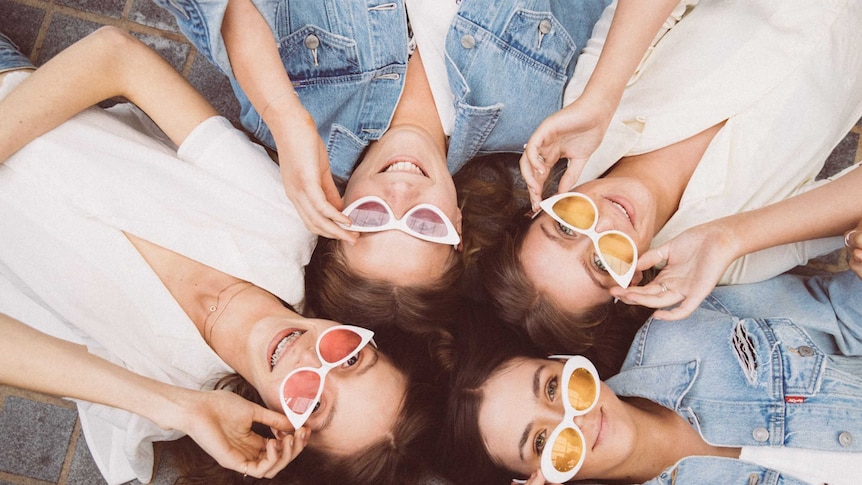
(623, 209)
(405, 167)
(282, 345)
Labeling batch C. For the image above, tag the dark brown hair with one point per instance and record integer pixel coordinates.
(402, 457)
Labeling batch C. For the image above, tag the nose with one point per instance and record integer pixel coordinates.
(307, 356)
(400, 195)
(604, 223)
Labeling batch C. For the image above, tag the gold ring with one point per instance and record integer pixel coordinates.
(847, 237)
(245, 471)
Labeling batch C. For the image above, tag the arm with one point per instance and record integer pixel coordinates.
(100, 66)
(698, 257)
(219, 421)
(302, 156)
(576, 131)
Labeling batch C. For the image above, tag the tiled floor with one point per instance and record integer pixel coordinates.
(40, 437)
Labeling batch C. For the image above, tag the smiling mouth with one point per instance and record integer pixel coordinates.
(282, 345)
(601, 428)
(622, 209)
(402, 165)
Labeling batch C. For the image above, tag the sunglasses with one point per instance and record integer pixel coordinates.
(565, 448)
(616, 250)
(301, 388)
(424, 221)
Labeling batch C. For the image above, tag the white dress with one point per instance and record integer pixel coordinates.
(66, 267)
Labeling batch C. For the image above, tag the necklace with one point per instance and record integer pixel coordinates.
(215, 311)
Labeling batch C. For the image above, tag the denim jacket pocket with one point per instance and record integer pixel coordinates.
(311, 52)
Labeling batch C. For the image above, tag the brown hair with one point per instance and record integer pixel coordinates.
(402, 457)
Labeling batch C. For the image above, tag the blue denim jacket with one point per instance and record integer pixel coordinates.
(509, 63)
(756, 365)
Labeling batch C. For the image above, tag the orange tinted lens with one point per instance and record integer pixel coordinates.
(338, 344)
(369, 214)
(300, 391)
(582, 389)
(618, 252)
(427, 222)
(567, 450)
(576, 211)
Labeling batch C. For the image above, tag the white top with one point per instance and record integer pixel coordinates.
(430, 21)
(67, 269)
(813, 466)
(785, 76)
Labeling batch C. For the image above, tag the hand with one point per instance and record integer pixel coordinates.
(308, 180)
(220, 422)
(574, 132)
(695, 261)
(853, 240)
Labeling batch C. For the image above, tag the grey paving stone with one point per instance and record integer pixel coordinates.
(36, 437)
(215, 86)
(83, 470)
(108, 8)
(20, 23)
(63, 32)
(175, 52)
(842, 156)
(146, 12)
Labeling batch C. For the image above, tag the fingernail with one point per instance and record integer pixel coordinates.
(290, 442)
(302, 433)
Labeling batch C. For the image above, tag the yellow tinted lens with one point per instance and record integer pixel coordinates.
(576, 211)
(567, 450)
(582, 389)
(618, 252)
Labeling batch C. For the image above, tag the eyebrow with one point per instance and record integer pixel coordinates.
(529, 427)
(557, 239)
(372, 361)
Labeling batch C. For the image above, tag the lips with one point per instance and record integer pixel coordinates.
(602, 422)
(280, 343)
(403, 164)
(624, 207)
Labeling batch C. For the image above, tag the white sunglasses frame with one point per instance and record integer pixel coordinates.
(547, 206)
(452, 237)
(297, 420)
(573, 362)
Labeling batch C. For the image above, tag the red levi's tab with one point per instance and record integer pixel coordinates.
(794, 399)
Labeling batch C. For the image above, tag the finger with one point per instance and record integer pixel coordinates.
(572, 174)
(268, 417)
(330, 192)
(652, 295)
(652, 257)
(535, 188)
(684, 310)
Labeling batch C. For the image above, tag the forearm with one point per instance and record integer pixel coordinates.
(257, 66)
(32, 360)
(828, 210)
(634, 25)
(103, 65)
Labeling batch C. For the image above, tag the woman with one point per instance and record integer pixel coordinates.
(745, 126)
(170, 258)
(760, 385)
(355, 89)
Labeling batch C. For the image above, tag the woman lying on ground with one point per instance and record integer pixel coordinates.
(697, 137)
(169, 255)
(761, 384)
(333, 91)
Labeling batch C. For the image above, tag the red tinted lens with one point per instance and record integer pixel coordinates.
(300, 390)
(369, 214)
(337, 344)
(427, 222)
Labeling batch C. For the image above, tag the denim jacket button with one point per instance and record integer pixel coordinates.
(312, 42)
(805, 351)
(845, 439)
(468, 41)
(760, 434)
(545, 26)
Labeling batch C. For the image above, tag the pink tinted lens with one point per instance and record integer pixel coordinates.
(337, 344)
(300, 390)
(427, 222)
(369, 214)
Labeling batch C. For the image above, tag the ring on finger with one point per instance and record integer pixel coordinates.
(847, 237)
(663, 287)
(245, 471)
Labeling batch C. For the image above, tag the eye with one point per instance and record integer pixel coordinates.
(565, 229)
(552, 388)
(597, 262)
(539, 443)
(351, 361)
(316, 407)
